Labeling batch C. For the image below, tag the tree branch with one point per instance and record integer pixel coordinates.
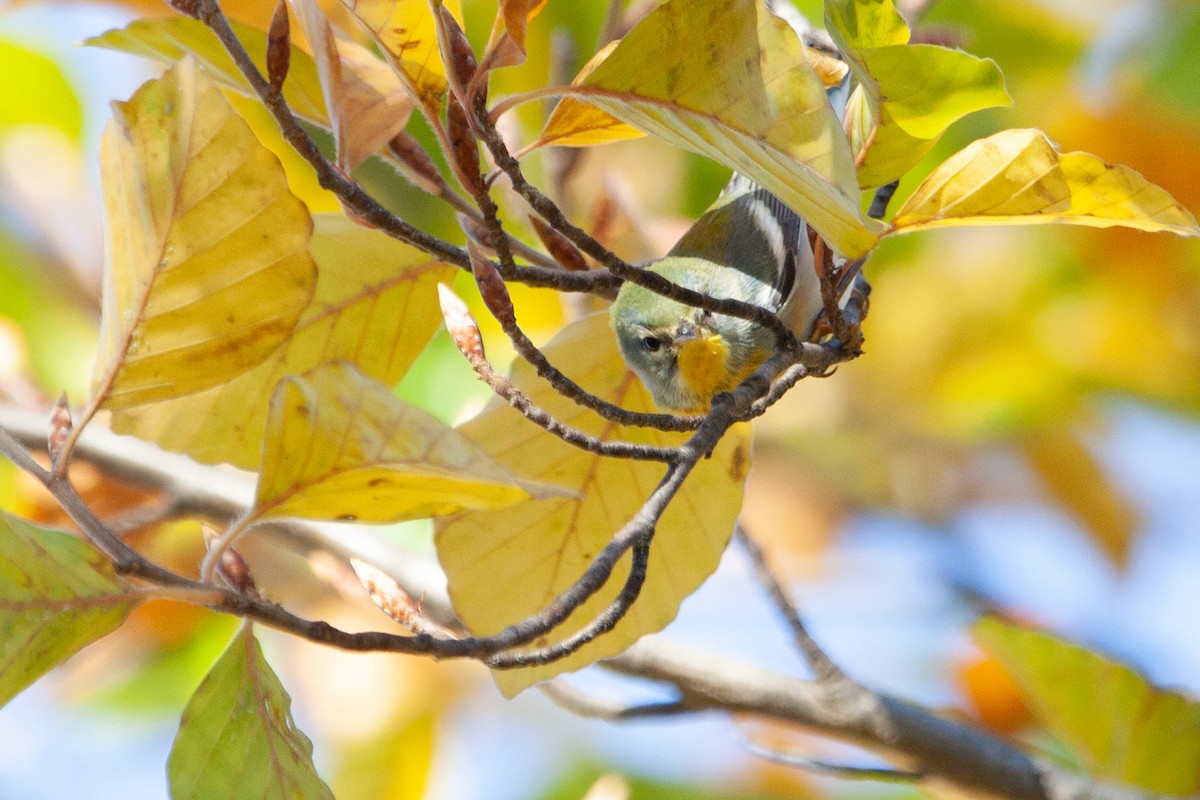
(905, 735)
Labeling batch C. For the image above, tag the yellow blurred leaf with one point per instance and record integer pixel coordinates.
(1079, 485)
(170, 40)
(1119, 725)
(367, 103)
(41, 96)
(730, 80)
(207, 266)
(506, 44)
(341, 446)
(375, 306)
(407, 31)
(1017, 177)
(505, 565)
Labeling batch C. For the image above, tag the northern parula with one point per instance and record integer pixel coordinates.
(748, 246)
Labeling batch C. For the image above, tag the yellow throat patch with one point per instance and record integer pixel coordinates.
(703, 365)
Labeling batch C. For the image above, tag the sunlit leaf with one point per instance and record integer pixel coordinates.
(57, 595)
(575, 123)
(375, 306)
(367, 103)
(506, 44)
(1119, 725)
(407, 31)
(908, 94)
(740, 92)
(237, 740)
(169, 40)
(207, 265)
(1017, 177)
(859, 24)
(506, 564)
(340, 445)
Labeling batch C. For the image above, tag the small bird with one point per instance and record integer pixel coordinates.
(748, 246)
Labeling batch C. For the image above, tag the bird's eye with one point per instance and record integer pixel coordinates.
(651, 344)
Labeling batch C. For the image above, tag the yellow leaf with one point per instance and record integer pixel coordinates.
(367, 103)
(340, 446)
(574, 123)
(169, 40)
(375, 306)
(504, 565)
(730, 80)
(207, 266)
(1069, 472)
(1115, 721)
(1017, 177)
(407, 31)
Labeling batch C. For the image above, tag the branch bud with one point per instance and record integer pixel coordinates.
(462, 327)
(491, 286)
(279, 46)
(464, 145)
(60, 428)
(232, 568)
(410, 152)
(559, 246)
(392, 600)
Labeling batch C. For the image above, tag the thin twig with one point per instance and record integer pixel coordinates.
(582, 704)
(822, 665)
(843, 771)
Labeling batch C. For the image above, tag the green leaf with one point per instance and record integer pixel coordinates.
(340, 445)
(171, 39)
(908, 94)
(57, 595)
(237, 740)
(206, 260)
(1120, 726)
(740, 92)
(859, 24)
(375, 305)
(1017, 177)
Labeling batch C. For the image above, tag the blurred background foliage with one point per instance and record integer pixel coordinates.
(1019, 436)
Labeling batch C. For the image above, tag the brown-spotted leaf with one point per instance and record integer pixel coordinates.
(1017, 177)
(375, 306)
(731, 81)
(340, 445)
(206, 260)
(407, 31)
(506, 564)
(57, 595)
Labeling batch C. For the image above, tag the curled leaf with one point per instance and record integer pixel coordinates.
(1017, 177)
